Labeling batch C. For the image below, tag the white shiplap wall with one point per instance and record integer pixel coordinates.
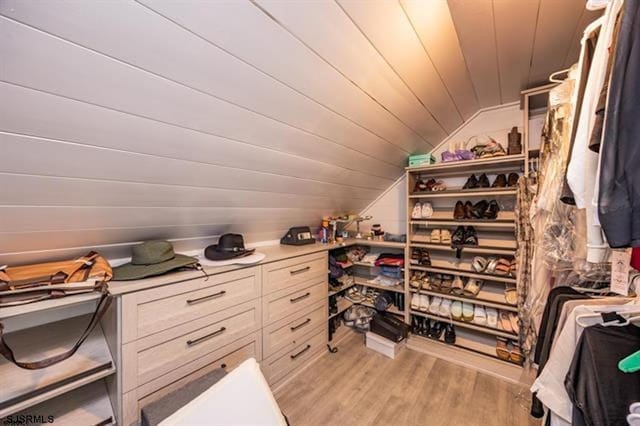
(127, 120)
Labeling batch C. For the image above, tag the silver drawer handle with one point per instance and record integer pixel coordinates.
(205, 337)
(299, 298)
(205, 298)
(301, 352)
(302, 324)
(297, 271)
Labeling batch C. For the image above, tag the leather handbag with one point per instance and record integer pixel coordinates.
(20, 285)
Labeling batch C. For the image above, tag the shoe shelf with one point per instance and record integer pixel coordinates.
(391, 309)
(462, 193)
(467, 249)
(365, 282)
(447, 215)
(469, 325)
(505, 162)
(475, 223)
(464, 273)
(343, 305)
(487, 298)
(340, 290)
(22, 389)
(377, 243)
(472, 341)
(88, 405)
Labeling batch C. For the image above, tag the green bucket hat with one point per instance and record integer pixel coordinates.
(151, 258)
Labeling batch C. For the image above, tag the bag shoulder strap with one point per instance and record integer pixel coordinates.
(101, 309)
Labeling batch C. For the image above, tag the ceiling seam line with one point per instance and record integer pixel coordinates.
(190, 129)
(366, 37)
(338, 70)
(355, 123)
(426, 51)
(59, 141)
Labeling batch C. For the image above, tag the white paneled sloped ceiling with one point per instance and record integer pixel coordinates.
(122, 121)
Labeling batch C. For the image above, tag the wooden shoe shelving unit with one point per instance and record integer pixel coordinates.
(496, 238)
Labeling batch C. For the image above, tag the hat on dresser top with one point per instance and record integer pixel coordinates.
(151, 258)
(229, 246)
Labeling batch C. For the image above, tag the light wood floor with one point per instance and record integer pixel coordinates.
(358, 386)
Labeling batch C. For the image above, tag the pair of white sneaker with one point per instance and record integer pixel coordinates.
(434, 305)
(422, 210)
(420, 302)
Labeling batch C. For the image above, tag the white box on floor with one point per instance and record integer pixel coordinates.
(385, 346)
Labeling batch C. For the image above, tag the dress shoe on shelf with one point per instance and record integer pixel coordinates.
(457, 238)
(458, 211)
(468, 210)
(483, 181)
(500, 182)
(470, 236)
(492, 210)
(449, 334)
(479, 209)
(471, 183)
(513, 179)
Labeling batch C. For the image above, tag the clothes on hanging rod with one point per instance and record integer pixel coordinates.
(549, 386)
(619, 196)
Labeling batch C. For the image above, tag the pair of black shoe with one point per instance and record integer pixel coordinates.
(464, 236)
(474, 183)
(433, 329)
(481, 210)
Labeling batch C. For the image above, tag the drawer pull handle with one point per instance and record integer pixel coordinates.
(301, 352)
(297, 271)
(205, 298)
(302, 324)
(205, 337)
(299, 298)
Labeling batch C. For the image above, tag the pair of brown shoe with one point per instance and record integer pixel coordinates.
(502, 181)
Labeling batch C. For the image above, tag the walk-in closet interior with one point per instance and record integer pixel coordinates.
(320, 212)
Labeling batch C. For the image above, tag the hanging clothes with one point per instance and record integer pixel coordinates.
(600, 392)
(619, 183)
(583, 166)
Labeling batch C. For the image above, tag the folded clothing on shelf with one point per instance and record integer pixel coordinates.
(390, 259)
(386, 281)
(391, 271)
(356, 253)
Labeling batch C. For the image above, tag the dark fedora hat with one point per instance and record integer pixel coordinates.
(229, 246)
(151, 258)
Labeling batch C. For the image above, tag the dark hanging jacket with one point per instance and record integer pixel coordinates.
(619, 193)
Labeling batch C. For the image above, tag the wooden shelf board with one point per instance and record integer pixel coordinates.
(474, 223)
(470, 353)
(343, 305)
(24, 388)
(365, 282)
(46, 305)
(376, 243)
(469, 325)
(462, 193)
(343, 288)
(447, 215)
(464, 274)
(471, 166)
(466, 249)
(391, 310)
(485, 298)
(87, 405)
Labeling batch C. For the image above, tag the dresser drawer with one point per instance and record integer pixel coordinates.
(227, 357)
(289, 272)
(287, 332)
(165, 307)
(279, 365)
(163, 352)
(284, 303)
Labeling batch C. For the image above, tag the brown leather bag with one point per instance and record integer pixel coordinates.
(20, 285)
